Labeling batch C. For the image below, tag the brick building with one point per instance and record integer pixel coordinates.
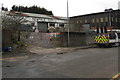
(109, 19)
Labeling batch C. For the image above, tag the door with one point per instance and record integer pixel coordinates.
(43, 27)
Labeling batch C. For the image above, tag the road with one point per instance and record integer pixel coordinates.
(81, 63)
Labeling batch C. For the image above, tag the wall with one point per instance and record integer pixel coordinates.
(37, 39)
(75, 39)
(49, 40)
(6, 39)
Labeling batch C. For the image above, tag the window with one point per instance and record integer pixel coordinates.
(81, 21)
(106, 19)
(116, 20)
(112, 35)
(61, 25)
(97, 19)
(86, 21)
(77, 21)
(52, 24)
(101, 19)
(112, 19)
(93, 20)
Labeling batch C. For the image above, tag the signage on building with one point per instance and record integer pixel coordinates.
(55, 34)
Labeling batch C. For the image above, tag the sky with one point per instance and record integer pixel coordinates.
(59, 7)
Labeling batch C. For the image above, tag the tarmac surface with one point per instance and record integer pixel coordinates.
(80, 62)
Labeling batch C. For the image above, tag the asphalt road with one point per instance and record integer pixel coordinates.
(82, 63)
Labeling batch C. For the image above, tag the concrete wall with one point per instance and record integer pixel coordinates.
(49, 40)
(37, 39)
(55, 39)
(75, 39)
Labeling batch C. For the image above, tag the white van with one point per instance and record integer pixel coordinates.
(109, 39)
(114, 38)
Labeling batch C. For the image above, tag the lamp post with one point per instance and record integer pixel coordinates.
(68, 24)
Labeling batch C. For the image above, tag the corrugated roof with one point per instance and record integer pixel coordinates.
(36, 15)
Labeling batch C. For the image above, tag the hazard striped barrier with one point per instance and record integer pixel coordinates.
(101, 39)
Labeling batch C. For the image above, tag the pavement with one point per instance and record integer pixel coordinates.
(60, 50)
(33, 50)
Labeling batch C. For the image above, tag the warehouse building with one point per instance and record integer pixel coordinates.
(109, 19)
(40, 22)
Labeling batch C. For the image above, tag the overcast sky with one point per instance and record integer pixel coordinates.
(59, 7)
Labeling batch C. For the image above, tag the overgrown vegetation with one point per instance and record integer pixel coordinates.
(11, 26)
(31, 9)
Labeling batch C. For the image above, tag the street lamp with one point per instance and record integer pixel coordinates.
(68, 24)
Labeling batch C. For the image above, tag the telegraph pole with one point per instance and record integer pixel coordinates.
(68, 24)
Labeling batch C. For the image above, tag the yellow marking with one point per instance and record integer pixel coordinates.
(116, 76)
(12, 58)
(101, 39)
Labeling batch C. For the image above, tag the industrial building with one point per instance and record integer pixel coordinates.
(40, 22)
(47, 37)
(109, 19)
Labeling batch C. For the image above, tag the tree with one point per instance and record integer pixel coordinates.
(31, 9)
(12, 22)
(4, 9)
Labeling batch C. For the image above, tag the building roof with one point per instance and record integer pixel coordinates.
(94, 13)
(36, 15)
